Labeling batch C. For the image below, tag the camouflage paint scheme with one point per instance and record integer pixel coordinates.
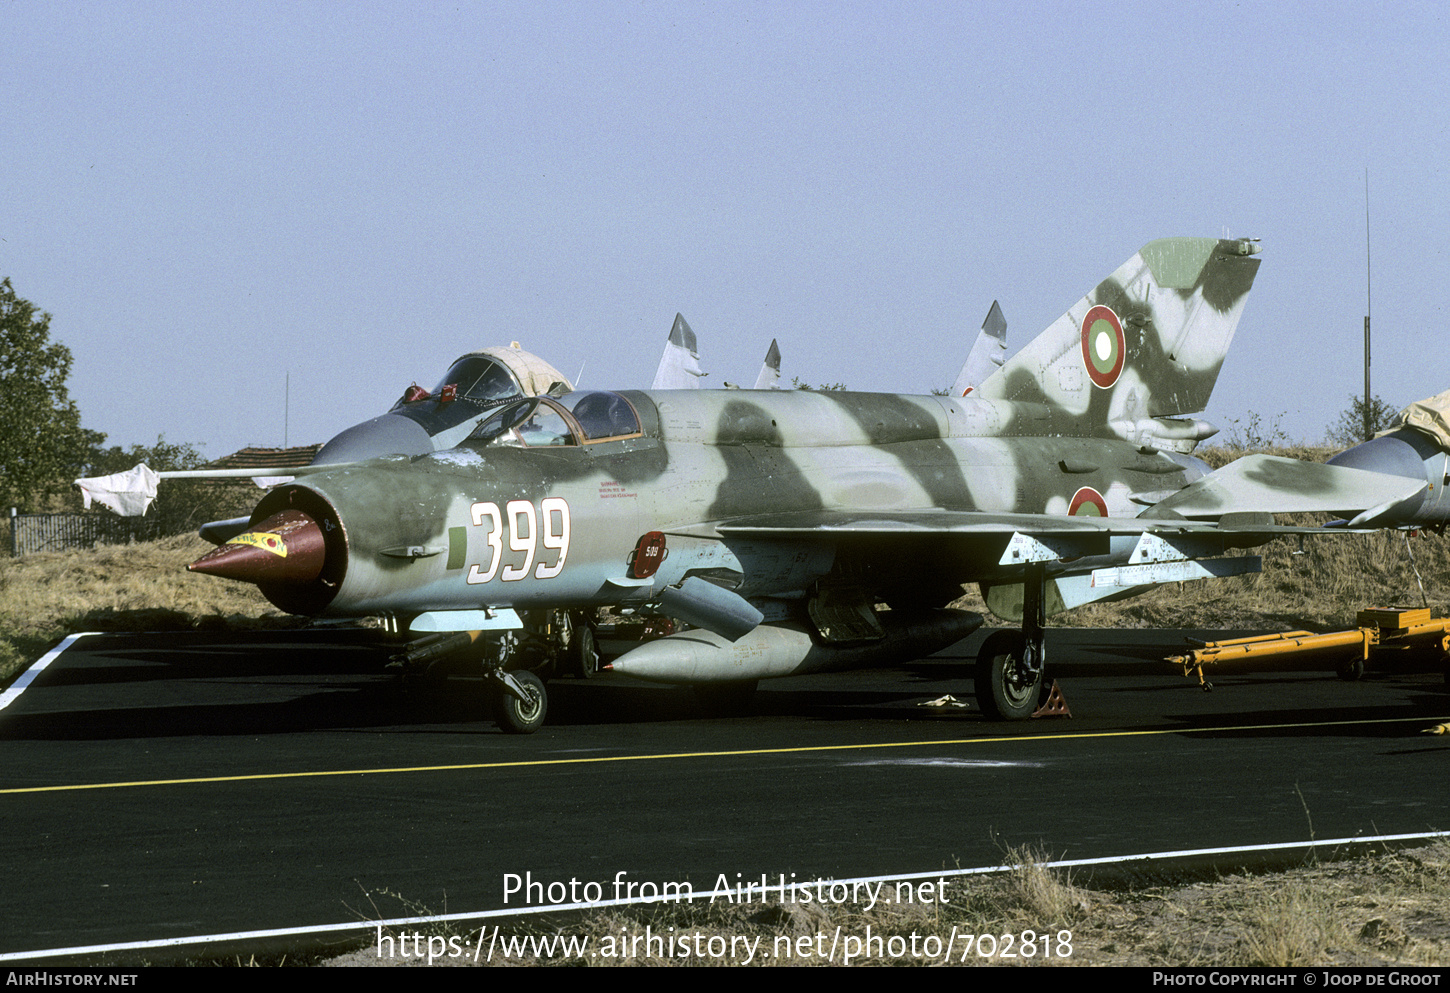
(1032, 437)
(1065, 469)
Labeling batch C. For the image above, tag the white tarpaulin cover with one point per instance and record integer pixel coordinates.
(127, 493)
(1431, 416)
(534, 374)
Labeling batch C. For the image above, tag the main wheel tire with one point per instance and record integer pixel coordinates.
(581, 656)
(517, 716)
(1002, 693)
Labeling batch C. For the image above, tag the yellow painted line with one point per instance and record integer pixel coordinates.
(594, 760)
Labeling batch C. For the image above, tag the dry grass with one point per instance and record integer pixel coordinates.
(1391, 908)
(1292, 925)
(1032, 891)
(143, 586)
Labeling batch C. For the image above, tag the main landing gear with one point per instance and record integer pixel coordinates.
(1010, 664)
(515, 663)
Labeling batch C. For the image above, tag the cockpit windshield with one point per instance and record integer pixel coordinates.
(501, 420)
(480, 379)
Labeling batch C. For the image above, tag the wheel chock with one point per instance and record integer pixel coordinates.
(1055, 705)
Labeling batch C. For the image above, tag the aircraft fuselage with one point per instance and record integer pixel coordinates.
(497, 525)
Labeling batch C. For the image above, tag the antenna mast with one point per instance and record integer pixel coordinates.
(1368, 410)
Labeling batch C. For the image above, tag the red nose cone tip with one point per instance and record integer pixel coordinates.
(286, 548)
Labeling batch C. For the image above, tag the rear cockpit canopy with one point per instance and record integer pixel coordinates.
(603, 416)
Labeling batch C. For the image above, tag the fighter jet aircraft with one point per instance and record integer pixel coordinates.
(679, 367)
(802, 531)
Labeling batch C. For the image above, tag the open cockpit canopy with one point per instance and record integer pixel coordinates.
(490, 375)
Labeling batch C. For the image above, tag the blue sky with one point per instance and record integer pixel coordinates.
(208, 197)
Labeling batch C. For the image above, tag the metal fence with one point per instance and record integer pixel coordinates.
(31, 533)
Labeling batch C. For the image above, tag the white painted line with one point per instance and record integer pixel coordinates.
(37, 667)
(600, 904)
(951, 763)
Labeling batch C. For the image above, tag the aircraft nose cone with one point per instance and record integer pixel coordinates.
(286, 548)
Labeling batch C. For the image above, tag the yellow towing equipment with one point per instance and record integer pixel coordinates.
(1400, 629)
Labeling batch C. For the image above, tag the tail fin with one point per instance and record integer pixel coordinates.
(679, 367)
(1144, 346)
(769, 378)
(987, 354)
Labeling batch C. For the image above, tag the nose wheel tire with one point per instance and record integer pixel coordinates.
(1007, 687)
(522, 716)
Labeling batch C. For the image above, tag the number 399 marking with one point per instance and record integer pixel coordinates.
(527, 531)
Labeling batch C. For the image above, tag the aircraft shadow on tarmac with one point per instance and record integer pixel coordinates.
(254, 683)
(177, 684)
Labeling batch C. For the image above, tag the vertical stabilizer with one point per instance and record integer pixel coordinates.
(679, 367)
(769, 378)
(1145, 345)
(987, 354)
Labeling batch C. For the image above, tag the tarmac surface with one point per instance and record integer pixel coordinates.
(159, 786)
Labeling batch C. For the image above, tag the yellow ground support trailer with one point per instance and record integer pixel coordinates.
(1381, 629)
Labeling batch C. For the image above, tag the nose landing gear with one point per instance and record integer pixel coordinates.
(520, 701)
(514, 662)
